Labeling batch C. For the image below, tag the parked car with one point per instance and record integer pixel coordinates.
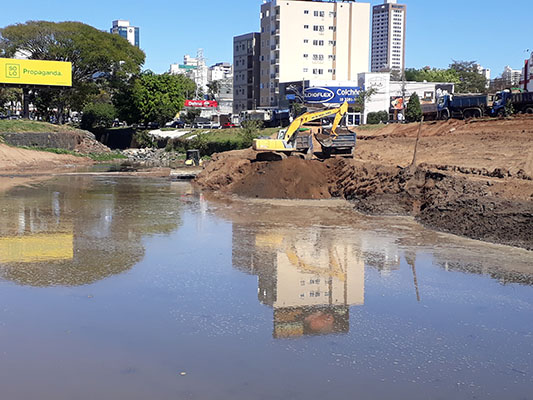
(229, 125)
(202, 125)
(175, 124)
(153, 125)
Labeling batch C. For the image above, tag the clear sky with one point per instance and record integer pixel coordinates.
(494, 33)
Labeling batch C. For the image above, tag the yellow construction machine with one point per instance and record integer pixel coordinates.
(288, 140)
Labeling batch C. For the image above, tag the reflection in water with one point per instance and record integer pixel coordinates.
(310, 277)
(78, 230)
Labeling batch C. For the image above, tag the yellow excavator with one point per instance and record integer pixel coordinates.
(288, 140)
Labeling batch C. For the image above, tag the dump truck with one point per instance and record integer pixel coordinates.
(463, 106)
(521, 102)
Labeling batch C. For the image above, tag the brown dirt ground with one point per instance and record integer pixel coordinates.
(15, 160)
(473, 178)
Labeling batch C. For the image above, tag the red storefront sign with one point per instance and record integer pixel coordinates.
(201, 103)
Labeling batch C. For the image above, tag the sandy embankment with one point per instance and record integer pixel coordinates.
(473, 178)
(14, 160)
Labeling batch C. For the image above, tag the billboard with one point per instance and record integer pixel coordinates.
(331, 94)
(201, 103)
(35, 72)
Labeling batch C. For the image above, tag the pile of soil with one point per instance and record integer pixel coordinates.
(474, 178)
(293, 178)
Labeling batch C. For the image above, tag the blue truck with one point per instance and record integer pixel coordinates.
(463, 106)
(521, 102)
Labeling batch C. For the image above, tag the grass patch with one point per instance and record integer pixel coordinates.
(106, 156)
(51, 150)
(25, 126)
(92, 156)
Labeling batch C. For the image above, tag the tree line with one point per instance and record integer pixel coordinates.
(107, 77)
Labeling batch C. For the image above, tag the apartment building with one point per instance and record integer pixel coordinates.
(123, 28)
(246, 72)
(510, 76)
(302, 40)
(388, 37)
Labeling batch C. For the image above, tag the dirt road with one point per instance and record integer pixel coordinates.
(472, 178)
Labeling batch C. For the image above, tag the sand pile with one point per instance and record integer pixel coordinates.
(238, 172)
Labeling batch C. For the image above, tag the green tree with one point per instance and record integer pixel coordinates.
(9, 99)
(364, 96)
(98, 115)
(470, 80)
(413, 113)
(432, 75)
(99, 60)
(213, 89)
(160, 97)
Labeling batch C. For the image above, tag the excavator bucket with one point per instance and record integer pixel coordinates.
(324, 139)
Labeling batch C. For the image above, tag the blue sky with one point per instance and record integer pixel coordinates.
(488, 31)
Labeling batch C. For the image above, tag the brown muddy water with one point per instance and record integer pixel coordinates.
(129, 288)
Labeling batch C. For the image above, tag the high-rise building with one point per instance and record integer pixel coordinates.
(301, 40)
(388, 36)
(131, 33)
(511, 77)
(246, 72)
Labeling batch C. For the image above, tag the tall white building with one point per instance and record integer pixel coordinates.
(303, 40)
(123, 28)
(511, 76)
(388, 36)
(195, 68)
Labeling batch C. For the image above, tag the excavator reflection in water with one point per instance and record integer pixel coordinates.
(310, 279)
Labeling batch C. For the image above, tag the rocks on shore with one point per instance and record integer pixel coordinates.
(153, 157)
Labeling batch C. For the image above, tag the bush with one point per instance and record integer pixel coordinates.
(143, 139)
(249, 131)
(414, 110)
(98, 115)
(380, 117)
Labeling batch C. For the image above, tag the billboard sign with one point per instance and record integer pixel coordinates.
(35, 72)
(201, 103)
(331, 94)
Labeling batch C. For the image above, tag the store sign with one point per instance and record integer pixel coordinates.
(35, 72)
(201, 103)
(333, 94)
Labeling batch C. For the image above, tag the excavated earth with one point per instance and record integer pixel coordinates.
(473, 178)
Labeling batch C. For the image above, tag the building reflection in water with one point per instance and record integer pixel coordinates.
(309, 276)
(79, 230)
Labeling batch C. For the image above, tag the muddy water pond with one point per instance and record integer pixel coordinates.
(129, 288)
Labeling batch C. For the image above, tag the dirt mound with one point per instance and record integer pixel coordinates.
(485, 209)
(293, 178)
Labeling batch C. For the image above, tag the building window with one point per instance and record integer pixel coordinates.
(306, 55)
(306, 69)
(306, 40)
(306, 26)
(306, 12)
